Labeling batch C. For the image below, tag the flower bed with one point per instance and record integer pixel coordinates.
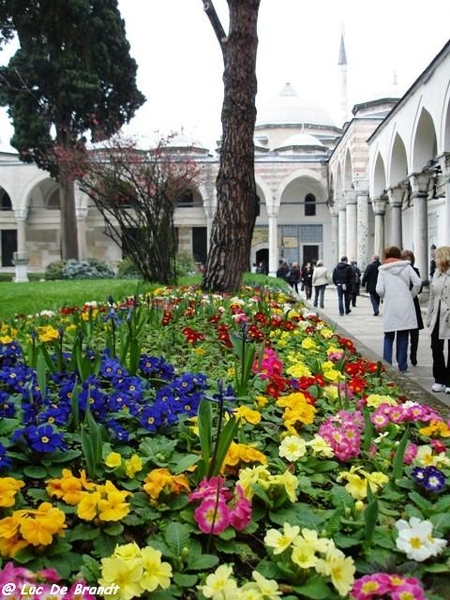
(191, 446)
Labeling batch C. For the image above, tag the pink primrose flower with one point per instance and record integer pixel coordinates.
(212, 516)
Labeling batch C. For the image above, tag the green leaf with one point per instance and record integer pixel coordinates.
(316, 588)
(398, 461)
(185, 579)
(185, 463)
(177, 537)
(35, 472)
(204, 429)
(203, 562)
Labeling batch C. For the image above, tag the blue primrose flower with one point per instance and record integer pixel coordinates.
(43, 438)
(431, 478)
(5, 462)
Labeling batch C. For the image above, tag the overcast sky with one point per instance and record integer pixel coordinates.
(180, 63)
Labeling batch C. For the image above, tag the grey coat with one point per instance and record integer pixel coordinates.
(439, 298)
(397, 284)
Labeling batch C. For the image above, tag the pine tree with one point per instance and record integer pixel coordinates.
(72, 75)
(237, 201)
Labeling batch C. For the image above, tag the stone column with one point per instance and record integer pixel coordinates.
(419, 194)
(334, 235)
(21, 258)
(351, 229)
(342, 249)
(362, 206)
(272, 213)
(444, 189)
(379, 208)
(395, 195)
(81, 214)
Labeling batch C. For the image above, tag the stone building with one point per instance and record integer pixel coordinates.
(325, 190)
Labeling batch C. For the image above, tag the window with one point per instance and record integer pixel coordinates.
(310, 205)
(5, 200)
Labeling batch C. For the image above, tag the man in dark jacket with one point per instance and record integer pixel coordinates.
(343, 280)
(369, 281)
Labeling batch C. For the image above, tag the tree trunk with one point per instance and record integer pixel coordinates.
(68, 218)
(234, 220)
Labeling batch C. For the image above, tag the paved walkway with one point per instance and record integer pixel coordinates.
(367, 334)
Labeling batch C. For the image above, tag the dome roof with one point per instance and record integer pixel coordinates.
(302, 140)
(289, 109)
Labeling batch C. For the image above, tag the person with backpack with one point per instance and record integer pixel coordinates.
(343, 280)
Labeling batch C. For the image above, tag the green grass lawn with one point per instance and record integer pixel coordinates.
(31, 297)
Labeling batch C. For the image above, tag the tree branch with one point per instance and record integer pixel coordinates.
(213, 17)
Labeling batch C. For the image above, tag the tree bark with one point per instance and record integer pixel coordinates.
(234, 220)
(68, 218)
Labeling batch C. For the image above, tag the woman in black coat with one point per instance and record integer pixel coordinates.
(414, 333)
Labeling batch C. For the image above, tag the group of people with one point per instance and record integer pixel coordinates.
(398, 283)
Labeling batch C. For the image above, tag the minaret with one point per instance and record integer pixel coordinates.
(343, 88)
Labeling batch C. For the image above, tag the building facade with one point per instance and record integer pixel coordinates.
(382, 178)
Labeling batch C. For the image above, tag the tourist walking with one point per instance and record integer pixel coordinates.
(369, 281)
(343, 280)
(414, 333)
(356, 281)
(397, 285)
(438, 320)
(307, 275)
(293, 276)
(320, 280)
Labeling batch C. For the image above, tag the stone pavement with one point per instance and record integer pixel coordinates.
(366, 331)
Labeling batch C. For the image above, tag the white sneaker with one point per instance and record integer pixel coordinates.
(447, 390)
(438, 387)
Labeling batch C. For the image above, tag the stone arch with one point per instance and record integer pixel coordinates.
(379, 177)
(308, 177)
(398, 162)
(35, 183)
(348, 170)
(445, 121)
(424, 141)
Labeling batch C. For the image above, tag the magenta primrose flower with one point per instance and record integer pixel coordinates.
(212, 515)
(387, 587)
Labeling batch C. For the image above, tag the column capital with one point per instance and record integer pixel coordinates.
(81, 212)
(420, 182)
(349, 197)
(396, 195)
(361, 186)
(21, 214)
(379, 206)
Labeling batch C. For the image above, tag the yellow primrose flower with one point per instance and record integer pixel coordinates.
(375, 400)
(281, 540)
(87, 507)
(340, 568)
(330, 393)
(289, 482)
(220, 585)
(113, 460)
(426, 458)
(6, 339)
(252, 476)
(326, 333)
(436, 428)
(260, 588)
(309, 343)
(303, 554)
(129, 551)
(112, 505)
(299, 370)
(261, 401)
(292, 448)
(238, 453)
(133, 465)
(156, 573)
(162, 480)
(47, 333)
(68, 488)
(320, 446)
(124, 575)
(8, 490)
(40, 525)
(247, 414)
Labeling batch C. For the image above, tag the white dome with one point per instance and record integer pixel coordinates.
(289, 109)
(302, 140)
